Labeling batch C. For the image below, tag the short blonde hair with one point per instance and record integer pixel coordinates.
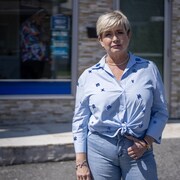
(112, 20)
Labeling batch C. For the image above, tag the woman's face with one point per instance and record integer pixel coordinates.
(115, 40)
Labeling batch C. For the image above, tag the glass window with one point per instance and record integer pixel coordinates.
(35, 41)
(147, 21)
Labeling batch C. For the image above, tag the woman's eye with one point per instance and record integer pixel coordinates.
(120, 32)
(107, 34)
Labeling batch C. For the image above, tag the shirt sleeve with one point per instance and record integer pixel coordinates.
(159, 112)
(81, 117)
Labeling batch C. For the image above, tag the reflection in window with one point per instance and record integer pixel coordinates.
(35, 39)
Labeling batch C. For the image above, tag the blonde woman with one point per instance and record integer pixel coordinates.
(120, 109)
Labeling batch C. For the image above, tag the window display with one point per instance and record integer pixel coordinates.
(35, 39)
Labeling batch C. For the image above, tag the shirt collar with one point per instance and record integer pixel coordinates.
(133, 59)
(100, 64)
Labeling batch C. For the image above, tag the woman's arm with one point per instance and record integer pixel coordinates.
(159, 111)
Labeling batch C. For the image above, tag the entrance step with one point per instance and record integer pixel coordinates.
(33, 143)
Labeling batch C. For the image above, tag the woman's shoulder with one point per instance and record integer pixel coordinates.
(143, 60)
(89, 70)
(139, 59)
(149, 65)
(83, 77)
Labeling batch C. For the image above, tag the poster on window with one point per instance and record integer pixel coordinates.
(60, 22)
(60, 44)
(60, 36)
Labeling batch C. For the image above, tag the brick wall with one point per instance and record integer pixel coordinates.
(21, 111)
(175, 73)
(90, 50)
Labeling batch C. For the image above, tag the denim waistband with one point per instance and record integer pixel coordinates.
(118, 136)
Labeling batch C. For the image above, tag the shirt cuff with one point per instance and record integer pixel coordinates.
(80, 145)
(155, 130)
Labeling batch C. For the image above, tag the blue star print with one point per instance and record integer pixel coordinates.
(93, 106)
(109, 107)
(139, 96)
(97, 85)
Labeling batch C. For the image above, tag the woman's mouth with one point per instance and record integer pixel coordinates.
(117, 46)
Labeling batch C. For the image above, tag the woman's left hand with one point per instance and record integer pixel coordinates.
(137, 149)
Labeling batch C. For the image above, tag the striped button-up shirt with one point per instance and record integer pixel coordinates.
(134, 105)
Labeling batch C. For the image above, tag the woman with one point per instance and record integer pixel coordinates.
(120, 109)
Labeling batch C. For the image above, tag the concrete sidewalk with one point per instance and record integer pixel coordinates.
(46, 142)
(35, 135)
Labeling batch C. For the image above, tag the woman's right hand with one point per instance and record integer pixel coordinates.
(82, 168)
(83, 173)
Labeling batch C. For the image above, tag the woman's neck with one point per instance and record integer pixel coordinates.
(117, 59)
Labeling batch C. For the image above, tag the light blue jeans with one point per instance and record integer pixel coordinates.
(108, 160)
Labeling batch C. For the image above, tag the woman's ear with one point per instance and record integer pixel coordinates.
(129, 33)
(100, 41)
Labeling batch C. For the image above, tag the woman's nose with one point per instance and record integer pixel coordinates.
(115, 38)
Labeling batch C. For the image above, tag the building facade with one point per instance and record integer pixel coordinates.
(72, 46)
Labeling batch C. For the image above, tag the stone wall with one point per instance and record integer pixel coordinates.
(175, 72)
(21, 111)
(90, 50)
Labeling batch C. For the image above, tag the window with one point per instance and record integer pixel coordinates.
(147, 21)
(35, 46)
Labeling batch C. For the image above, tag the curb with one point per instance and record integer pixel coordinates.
(36, 154)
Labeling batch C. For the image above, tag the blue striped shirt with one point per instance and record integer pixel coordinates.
(134, 105)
